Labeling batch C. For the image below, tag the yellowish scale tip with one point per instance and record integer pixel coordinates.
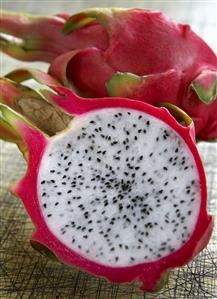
(178, 113)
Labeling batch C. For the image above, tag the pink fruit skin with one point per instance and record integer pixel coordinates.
(150, 45)
(42, 37)
(137, 41)
(148, 274)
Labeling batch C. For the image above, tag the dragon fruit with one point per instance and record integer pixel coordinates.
(122, 173)
(134, 53)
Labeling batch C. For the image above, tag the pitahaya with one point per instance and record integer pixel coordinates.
(121, 193)
(135, 53)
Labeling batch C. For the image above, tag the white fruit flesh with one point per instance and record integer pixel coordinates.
(119, 187)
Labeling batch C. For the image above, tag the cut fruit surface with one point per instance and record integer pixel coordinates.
(119, 168)
(120, 193)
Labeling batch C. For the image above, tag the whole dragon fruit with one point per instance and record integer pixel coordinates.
(134, 53)
(120, 193)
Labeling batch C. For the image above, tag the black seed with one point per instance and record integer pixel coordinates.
(49, 215)
(42, 182)
(44, 194)
(52, 171)
(44, 205)
(127, 132)
(85, 236)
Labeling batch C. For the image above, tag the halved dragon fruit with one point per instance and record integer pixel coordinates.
(121, 193)
(133, 53)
